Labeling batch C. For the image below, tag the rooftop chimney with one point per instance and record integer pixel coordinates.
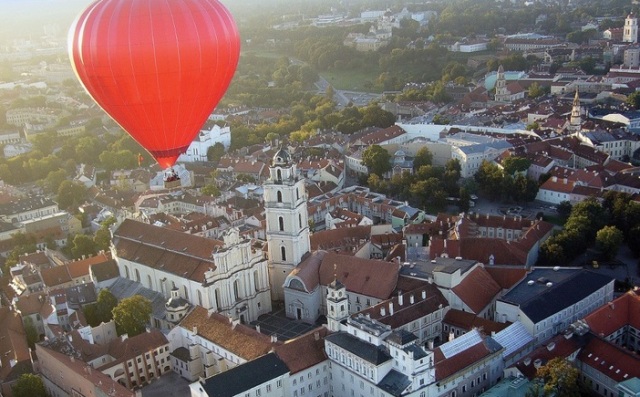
(391, 308)
(383, 311)
(411, 299)
(400, 298)
(424, 294)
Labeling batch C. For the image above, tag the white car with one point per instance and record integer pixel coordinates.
(473, 197)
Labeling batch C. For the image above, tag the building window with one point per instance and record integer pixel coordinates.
(236, 289)
(283, 253)
(279, 195)
(137, 276)
(281, 224)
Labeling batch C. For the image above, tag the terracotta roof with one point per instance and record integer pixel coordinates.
(102, 381)
(558, 346)
(56, 275)
(305, 351)
(105, 270)
(477, 290)
(612, 361)
(469, 321)
(328, 239)
(134, 346)
(80, 268)
(31, 304)
(13, 341)
(241, 340)
(506, 277)
(368, 277)
(446, 367)
(175, 252)
(615, 315)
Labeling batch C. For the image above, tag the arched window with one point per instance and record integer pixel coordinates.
(281, 223)
(300, 220)
(236, 289)
(126, 272)
(186, 293)
(279, 173)
(149, 282)
(256, 280)
(279, 194)
(137, 276)
(200, 298)
(298, 193)
(283, 253)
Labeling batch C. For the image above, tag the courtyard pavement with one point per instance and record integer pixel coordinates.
(168, 385)
(285, 328)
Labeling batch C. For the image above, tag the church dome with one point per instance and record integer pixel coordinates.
(282, 157)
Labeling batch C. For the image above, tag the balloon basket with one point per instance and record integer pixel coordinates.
(171, 180)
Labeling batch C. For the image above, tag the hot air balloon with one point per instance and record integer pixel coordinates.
(157, 67)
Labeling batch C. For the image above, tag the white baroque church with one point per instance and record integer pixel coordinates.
(229, 277)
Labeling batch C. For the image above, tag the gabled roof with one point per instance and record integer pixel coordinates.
(615, 315)
(468, 321)
(558, 346)
(305, 351)
(462, 352)
(477, 290)
(56, 275)
(239, 339)
(613, 361)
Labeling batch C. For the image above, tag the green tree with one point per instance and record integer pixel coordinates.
(376, 159)
(536, 90)
(132, 315)
(514, 164)
(29, 385)
(71, 195)
(215, 152)
(83, 245)
(32, 332)
(211, 190)
(423, 157)
(559, 377)
(634, 100)
(490, 179)
(608, 240)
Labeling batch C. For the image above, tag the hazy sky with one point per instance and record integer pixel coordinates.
(21, 18)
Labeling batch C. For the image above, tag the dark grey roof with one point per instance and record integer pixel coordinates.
(546, 291)
(394, 383)
(245, 377)
(282, 157)
(374, 354)
(401, 337)
(417, 351)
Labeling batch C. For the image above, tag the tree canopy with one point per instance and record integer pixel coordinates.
(29, 385)
(132, 315)
(376, 159)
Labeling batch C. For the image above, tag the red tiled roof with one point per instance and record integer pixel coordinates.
(469, 321)
(305, 351)
(477, 290)
(558, 346)
(612, 361)
(615, 315)
(446, 367)
(506, 277)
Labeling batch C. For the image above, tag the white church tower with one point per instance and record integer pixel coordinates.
(630, 32)
(575, 122)
(285, 206)
(337, 304)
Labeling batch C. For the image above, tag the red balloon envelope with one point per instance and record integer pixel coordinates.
(157, 67)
